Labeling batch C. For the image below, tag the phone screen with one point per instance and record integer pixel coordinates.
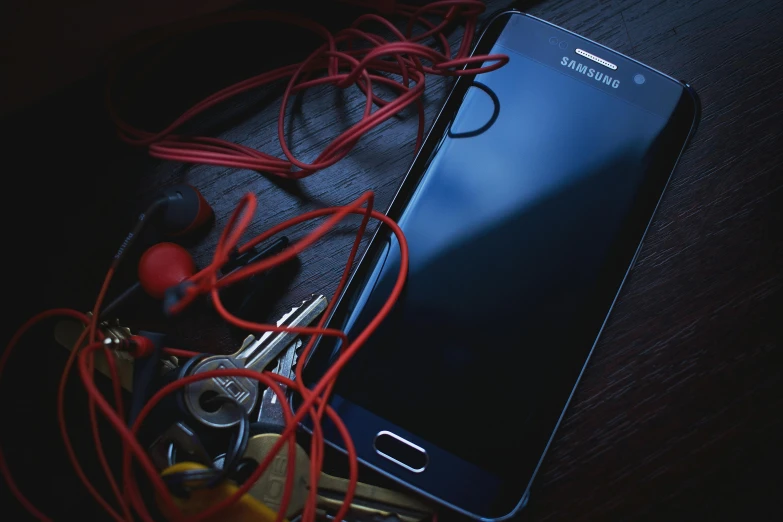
(522, 224)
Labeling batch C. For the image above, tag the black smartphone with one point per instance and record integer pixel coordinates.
(524, 211)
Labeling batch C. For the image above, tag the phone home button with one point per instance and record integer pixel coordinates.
(400, 451)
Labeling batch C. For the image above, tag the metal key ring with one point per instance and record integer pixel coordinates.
(183, 371)
(208, 478)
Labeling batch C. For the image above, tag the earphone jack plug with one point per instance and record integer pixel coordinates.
(138, 346)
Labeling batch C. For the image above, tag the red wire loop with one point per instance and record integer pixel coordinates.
(341, 62)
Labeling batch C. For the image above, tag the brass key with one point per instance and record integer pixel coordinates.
(368, 501)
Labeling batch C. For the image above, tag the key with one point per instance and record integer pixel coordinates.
(67, 331)
(369, 501)
(270, 413)
(255, 354)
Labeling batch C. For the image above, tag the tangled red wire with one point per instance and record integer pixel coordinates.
(207, 282)
(342, 62)
(350, 57)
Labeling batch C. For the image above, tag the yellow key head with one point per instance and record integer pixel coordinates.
(246, 509)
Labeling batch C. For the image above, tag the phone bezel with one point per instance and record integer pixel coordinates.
(356, 418)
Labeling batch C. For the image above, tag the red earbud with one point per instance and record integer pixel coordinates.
(162, 266)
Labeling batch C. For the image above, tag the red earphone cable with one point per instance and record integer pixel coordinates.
(6, 472)
(339, 62)
(314, 400)
(311, 398)
(352, 65)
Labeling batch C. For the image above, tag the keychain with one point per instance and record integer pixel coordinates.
(246, 509)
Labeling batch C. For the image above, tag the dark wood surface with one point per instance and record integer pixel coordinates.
(679, 413)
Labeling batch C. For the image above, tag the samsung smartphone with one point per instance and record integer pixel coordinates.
(524, 212)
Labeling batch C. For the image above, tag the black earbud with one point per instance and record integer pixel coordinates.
(184, 211)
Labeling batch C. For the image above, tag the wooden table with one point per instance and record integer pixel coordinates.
(679, 414)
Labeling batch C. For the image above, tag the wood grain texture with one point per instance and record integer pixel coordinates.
(678, 415)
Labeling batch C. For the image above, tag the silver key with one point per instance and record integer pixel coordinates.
(270, 412)
(255, 354)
